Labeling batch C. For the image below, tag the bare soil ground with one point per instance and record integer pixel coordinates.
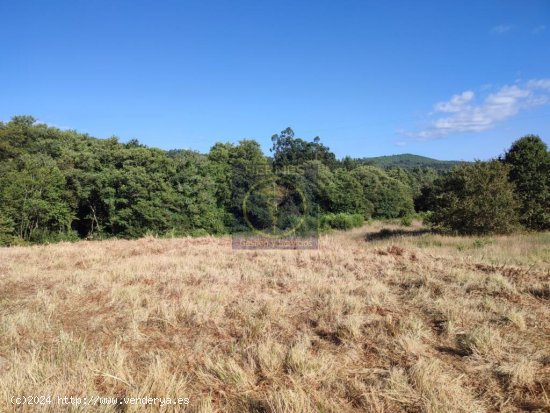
(376, 320)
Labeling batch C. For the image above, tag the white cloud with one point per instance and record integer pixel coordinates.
(464, 115)
(456, 104)
(539, 84)
(500, 29)
(538, 29)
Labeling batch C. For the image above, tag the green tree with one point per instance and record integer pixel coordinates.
(288, 150)
(220, 158)
(389, 197)
(347, 195)
(475, 198)
(423, 183)
(33, 196)
(319, 186)
(529, 162)
(144, 199)
(196, 190)
(237, 169)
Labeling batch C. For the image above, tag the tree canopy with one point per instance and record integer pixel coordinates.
(62, 185)
(476, 199)
(529, 162)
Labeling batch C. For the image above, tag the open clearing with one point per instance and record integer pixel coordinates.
(410, 323)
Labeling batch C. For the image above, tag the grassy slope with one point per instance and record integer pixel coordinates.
(419, 323)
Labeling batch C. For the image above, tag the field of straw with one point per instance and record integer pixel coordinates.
(376, 320)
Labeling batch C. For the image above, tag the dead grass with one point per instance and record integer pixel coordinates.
(405, 322)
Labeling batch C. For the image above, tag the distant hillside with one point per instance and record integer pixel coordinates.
(410, 161)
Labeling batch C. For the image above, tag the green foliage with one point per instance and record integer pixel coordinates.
(318, 186)
(389, 197)
(197, 208)
(342, 221)
(143, 198)
(475, 198)
(61, 185)
(56, 182)
(529, 162)
(309, 225)
(6, 230)
(32, 195)
(237, 171)
(347, 195)
(406, 221)
(288, 150)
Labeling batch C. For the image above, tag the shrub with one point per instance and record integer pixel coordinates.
(199, 232)
(342, 221)
(308, 225)
(406, 221)
(475, 198)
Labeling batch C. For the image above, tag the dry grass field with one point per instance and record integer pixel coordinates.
(368, 323)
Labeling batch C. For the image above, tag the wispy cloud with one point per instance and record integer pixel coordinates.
(461, 113)
(501, 28)
(538, 29)
(456, 103)
(539, 84)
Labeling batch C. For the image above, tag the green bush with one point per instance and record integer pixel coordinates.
(200, 232)
(342, 221)
(475, 198)
(306, 226)
(406, 221)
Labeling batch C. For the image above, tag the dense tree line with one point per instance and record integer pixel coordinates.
(63, 185)
(57, 185)
(499, 196)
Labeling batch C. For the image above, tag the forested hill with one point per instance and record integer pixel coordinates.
(409, 161)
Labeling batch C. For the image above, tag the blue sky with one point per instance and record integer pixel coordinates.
(447, 79)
